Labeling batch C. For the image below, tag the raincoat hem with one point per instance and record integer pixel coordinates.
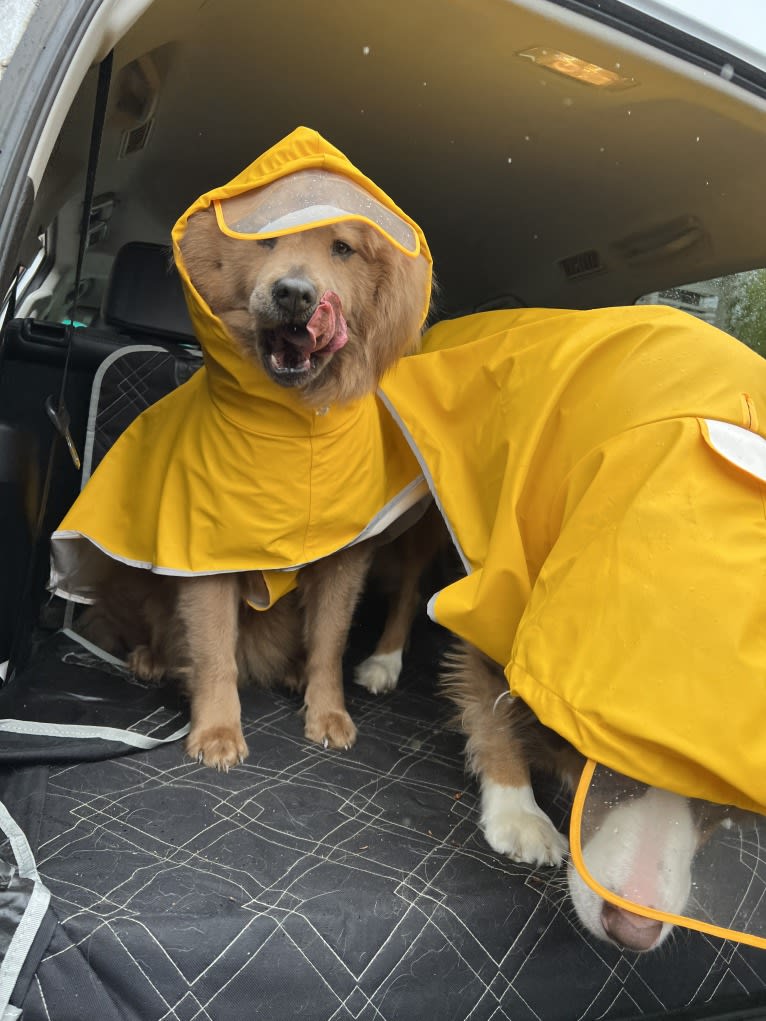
(404, 500)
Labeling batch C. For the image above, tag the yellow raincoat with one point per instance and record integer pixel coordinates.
(602, 474)
(232, 472)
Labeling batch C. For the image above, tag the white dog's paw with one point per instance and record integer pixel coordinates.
(380, 673)
(515, 825)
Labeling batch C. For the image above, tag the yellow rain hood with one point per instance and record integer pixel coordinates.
(232, 472)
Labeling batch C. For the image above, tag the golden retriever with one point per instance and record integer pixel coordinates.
(265, 292)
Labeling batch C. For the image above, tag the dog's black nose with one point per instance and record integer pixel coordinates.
(294, 295)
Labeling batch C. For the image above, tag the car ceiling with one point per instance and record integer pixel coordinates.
(508, 167)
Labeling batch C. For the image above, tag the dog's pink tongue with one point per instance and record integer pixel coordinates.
(327, 327)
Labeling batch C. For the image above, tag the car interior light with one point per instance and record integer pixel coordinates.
(574, 67)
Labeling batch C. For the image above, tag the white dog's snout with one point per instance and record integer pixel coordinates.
(642, 851)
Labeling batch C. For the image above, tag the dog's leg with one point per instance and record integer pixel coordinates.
(146, 664)
(380, 671)
(331, 588)
(511, 819)
(209, 607)
(409, 555)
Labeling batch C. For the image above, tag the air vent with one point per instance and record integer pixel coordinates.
(584, 264)
(135, 139)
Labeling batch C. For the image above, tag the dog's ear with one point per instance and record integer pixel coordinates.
(398, 311)
(387, 311)
(388, 323)
(203, 250)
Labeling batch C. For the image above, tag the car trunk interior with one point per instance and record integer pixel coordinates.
(512, 169)
(333, 884)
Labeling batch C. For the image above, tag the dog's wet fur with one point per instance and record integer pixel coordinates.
(200, 629)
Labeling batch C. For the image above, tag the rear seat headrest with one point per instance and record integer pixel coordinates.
(144, 294)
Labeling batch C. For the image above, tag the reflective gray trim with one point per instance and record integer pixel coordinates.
(427, 474)
(95, 649)
(95, 393)
(34, 912)
(143, 565)
(68, 614)
(21, 849)
(128, 737)
(394, 509)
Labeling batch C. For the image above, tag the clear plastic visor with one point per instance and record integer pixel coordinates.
(311, 198)
(670, 858)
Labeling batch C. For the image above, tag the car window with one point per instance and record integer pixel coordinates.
(27, 276)
(735, 303)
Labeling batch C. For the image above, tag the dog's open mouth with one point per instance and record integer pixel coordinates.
(290, 351)
(294, 350)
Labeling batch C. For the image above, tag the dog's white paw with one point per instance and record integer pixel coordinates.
(515, 825)
(380, 673)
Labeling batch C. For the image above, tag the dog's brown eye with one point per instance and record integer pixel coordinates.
(341, 248)
(268, 243)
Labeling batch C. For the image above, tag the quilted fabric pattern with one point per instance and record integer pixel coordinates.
(327, 885)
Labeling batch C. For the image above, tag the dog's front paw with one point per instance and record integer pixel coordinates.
(380, 673)
(527, 837)
(145, 664)
(514, 825)
(219, 747)
(334, 729)
(295, 681)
